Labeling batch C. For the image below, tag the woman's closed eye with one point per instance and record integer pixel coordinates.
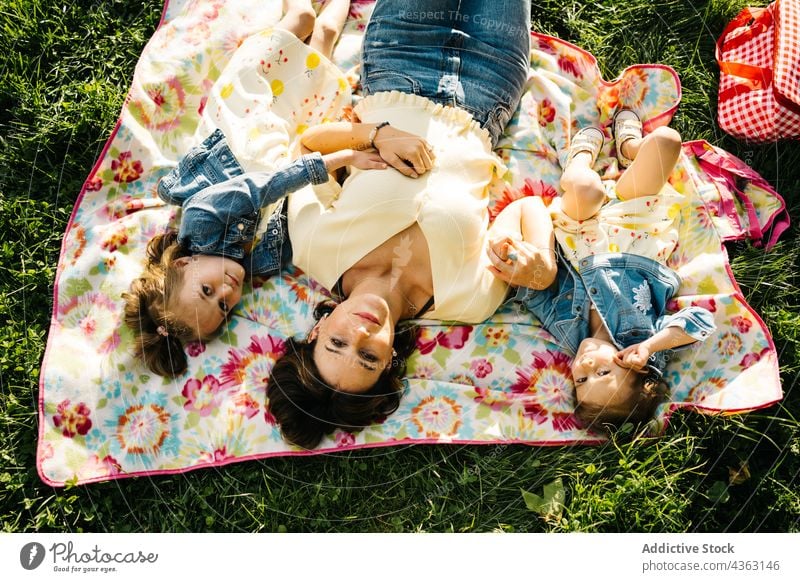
(368, 356)
(337, 343)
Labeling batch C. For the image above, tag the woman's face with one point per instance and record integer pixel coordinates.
(354, 343)
(210, 289)
(599, 380)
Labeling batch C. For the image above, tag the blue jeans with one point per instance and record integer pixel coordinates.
(471, 54)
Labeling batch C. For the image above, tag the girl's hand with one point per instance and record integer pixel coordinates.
(520, 263)
(368, 160)
(634, 357)
(364, 160)
(407, 153)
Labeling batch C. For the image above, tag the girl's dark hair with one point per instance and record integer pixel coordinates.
(640, 409)
(307, 408)
(147, 308)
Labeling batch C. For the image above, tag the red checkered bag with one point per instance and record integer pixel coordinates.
(759, 59)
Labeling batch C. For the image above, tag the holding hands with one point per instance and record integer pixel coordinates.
(367, 160)
(407, 153)
(363, 160)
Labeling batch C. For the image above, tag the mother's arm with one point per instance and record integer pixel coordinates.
(522, 245)
(409, 154)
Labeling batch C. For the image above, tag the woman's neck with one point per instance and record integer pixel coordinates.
(399, 270)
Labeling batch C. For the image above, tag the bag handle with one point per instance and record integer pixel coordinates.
(723, 167)
(760, 21)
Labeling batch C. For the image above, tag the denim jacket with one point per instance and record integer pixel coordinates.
(221, 203)
(629, 292)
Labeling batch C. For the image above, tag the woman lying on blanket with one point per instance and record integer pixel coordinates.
(452, 73)
(607, 306)
(193, 277)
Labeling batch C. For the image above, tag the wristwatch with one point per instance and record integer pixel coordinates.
(374, 133)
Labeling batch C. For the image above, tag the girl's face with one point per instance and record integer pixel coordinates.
(600, 382)
(210, 288)
(354, 343)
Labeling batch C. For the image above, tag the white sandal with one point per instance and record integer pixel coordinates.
(627, 126)
(588, 139)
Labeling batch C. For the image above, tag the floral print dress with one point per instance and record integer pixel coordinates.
(646, 226)
(271, 91)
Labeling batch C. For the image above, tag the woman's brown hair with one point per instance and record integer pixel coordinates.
(158, 336)
(307, 408)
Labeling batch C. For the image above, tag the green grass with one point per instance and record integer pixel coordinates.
(64, 71)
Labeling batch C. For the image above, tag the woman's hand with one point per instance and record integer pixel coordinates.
(520, 263)
(634, 357)
(409, 154)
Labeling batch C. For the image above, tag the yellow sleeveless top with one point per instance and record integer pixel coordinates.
(332, 227)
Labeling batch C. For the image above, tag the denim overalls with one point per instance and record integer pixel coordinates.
(221, 203)
(629, 292)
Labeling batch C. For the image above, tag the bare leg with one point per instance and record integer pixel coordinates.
(329, 26)
(583, 189)
(298, 18)
(654, 157)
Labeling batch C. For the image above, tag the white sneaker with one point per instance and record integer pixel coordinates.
(588, 139)
(627, 126)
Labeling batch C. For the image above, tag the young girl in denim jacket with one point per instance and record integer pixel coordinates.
(607, 307)
(232, 222)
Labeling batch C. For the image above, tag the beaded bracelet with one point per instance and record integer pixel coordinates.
(374, 133)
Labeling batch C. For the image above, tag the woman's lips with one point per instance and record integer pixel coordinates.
(368, 317)
(233, 280)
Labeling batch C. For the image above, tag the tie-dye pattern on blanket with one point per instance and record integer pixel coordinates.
(103, 416)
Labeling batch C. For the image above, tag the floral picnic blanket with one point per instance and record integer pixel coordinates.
(103, 416)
